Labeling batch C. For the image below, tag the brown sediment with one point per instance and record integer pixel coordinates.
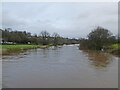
(45, 46)
(10, 51)
(115, 52)
(0, 51)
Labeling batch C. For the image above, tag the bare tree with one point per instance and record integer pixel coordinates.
(45, 37)
(56, 37)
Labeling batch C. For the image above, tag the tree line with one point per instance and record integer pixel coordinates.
(98, 39)
(44, 38)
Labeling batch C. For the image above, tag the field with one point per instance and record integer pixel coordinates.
(12, 49)
(19, 46)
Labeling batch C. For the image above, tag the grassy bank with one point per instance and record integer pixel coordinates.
(115, 49)
(115, 46)
(12, 49)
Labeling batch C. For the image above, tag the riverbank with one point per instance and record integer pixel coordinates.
(114, 49)
(12, 49)
(66, 67)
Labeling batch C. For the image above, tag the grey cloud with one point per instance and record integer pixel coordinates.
(68, 19)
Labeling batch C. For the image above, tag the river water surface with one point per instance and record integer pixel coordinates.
(60, 67)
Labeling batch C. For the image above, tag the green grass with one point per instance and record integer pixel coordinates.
(115, 49)
(9, 49)
(19, 46)
(115, 46)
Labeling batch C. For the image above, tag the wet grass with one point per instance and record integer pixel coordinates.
(115, 46)
(12, 49)
(20, 46)
(115, 49)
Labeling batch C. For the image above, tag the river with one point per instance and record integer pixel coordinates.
(60, 67)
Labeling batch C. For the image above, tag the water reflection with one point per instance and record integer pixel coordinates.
(57, 67)
(98, 59)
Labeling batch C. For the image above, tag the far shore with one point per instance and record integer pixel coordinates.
(14, 49)
(18, 48)
(112, 49)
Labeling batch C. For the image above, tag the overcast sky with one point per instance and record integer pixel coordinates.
(68, 19)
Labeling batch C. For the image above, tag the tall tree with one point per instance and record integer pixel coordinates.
(99, 38)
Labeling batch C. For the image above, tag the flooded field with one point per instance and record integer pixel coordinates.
(60, 67)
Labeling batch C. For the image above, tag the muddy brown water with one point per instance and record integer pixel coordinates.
(61, 67)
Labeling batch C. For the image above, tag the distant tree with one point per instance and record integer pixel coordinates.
(84, 43)
(45, 36)
(34, 40)
(118, 38)
(0, 34)
(56, 37)
(23, 37)
(99, 38)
